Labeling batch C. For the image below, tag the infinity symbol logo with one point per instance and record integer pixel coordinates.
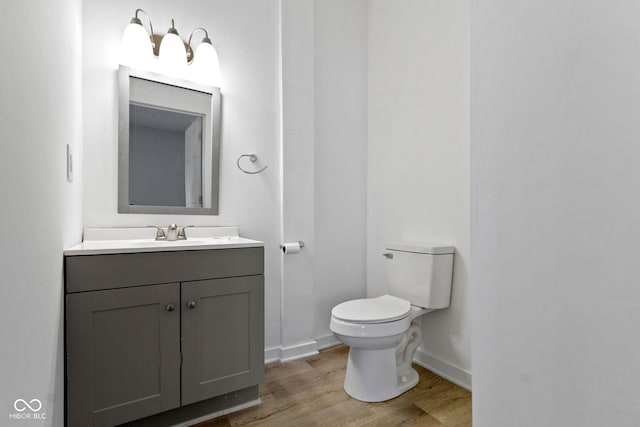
(21, 405)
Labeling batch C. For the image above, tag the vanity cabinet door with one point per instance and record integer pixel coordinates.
(123, 354)
(222, 336)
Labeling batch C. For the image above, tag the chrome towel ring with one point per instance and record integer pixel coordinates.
(253, 158)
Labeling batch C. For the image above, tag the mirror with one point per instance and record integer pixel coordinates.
(169, 143)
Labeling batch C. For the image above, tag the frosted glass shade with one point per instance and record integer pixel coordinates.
(136, 46)
(173, 55)
(205, 66)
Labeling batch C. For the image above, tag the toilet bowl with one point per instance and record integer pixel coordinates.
(383, 333)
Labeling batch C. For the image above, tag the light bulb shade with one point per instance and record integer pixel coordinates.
(136, 46)
(173, 54)
(205, 66)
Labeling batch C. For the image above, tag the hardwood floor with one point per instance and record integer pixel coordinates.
(309, 392)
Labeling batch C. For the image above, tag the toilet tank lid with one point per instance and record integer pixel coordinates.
(420, 247)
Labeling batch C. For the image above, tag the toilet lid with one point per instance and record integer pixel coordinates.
(386, 308)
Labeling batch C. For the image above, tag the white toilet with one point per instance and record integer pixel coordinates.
(384, 332)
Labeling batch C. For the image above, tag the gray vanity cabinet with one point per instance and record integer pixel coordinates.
(137, 347)
(123, 354)
(221, 320)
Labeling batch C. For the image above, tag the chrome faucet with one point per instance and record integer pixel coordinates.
(173, 232)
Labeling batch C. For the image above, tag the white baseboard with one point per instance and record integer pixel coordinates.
(327, 341)
(428, 361)
(443, 368)
(299, 351)
(287, 354)
(272, 355)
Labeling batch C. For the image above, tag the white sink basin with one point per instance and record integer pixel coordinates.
(188, 242)
(173, 242)
(104, 245)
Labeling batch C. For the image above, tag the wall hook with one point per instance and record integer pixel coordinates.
(253, 158)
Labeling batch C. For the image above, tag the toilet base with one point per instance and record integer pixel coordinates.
(385, 384)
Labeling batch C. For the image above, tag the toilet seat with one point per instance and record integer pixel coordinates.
(382, 309)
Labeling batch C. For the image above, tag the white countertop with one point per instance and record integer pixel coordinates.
(97, 241)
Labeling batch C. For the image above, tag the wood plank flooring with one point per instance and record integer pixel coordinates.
(309, 392)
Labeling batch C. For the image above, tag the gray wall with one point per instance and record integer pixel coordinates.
(160, 182)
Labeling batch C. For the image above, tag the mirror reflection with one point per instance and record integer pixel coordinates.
(165, 157)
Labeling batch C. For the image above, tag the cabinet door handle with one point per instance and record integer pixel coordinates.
(191, 304)
(170, 307)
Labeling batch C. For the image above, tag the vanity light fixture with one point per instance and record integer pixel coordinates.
(149, 51)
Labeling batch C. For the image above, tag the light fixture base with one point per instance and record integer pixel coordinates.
(156, 47)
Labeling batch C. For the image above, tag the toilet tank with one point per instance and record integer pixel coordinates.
(420, 273)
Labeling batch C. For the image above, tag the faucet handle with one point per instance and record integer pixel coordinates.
(160, 233)
(181, 233)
